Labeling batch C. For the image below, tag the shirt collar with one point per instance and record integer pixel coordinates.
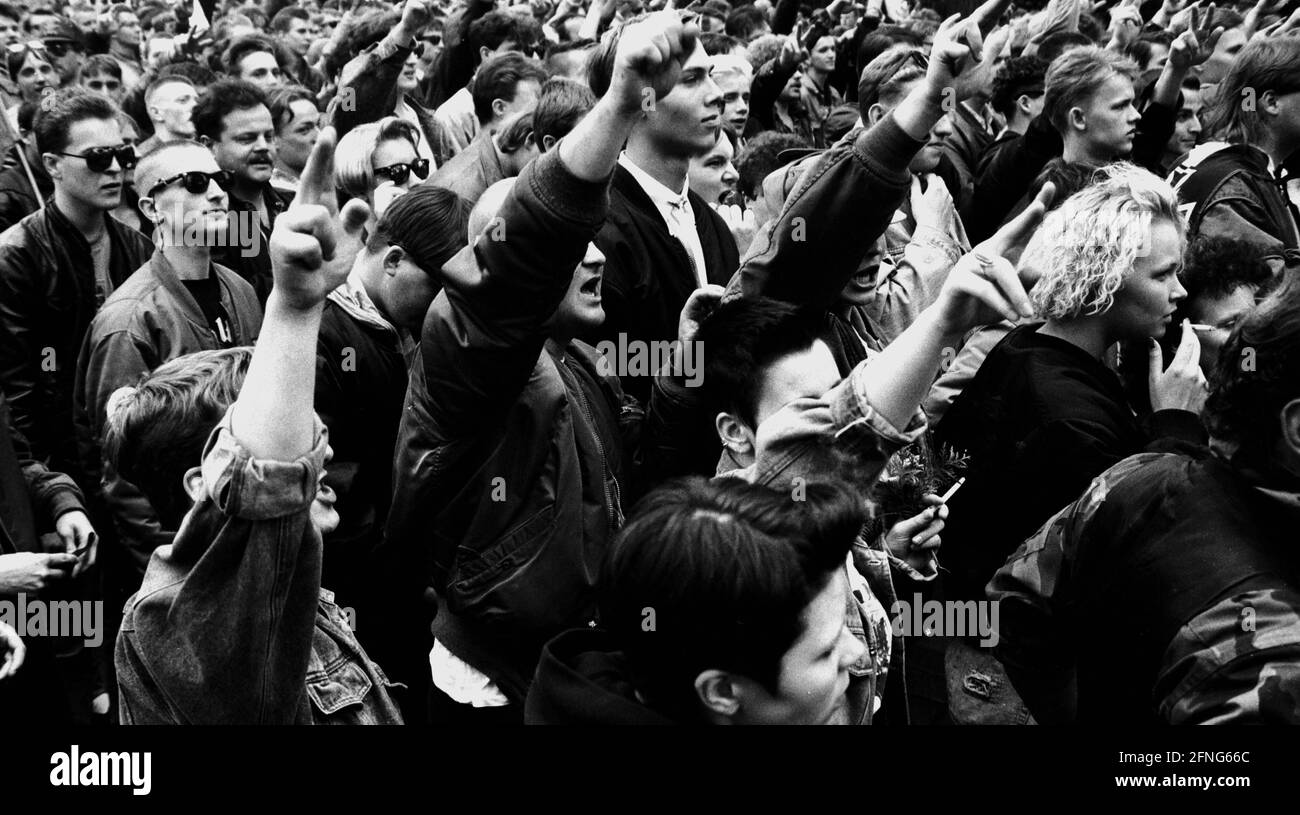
(662, 196)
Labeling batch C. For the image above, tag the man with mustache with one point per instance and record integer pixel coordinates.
(233, 120)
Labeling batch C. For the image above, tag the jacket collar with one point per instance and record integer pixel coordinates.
(166, 275)
(356, 303)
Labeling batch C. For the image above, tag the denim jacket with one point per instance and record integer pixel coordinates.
(231, 625)
(863, 442)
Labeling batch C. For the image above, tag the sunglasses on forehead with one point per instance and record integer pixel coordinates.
(398, 173)
(99, 159)
(21, 47)
(195, 182)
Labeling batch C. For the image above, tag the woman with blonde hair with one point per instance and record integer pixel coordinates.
(1045, 414)
(379, 161)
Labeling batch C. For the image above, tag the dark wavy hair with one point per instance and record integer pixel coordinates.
(728, 569)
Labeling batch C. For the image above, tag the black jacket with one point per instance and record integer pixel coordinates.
(47, 300)
(256, 269)
(510, 457)
(360, 387)
(648, 275)
(581, 680)
(1039, 421)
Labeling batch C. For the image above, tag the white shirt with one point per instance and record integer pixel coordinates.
(675, 209)
(457, 117)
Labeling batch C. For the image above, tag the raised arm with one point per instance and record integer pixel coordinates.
(311, 254)
(368, 83)
(846, 199)
(485, 330)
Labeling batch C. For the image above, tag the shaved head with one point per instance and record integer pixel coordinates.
(169, 159)
(489, 204)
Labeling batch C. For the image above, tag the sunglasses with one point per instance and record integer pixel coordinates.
(398, 173)
(195, 182)
(99, 159)
(20, 47)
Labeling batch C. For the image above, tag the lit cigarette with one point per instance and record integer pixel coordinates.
(1200, 327)
(952, 490)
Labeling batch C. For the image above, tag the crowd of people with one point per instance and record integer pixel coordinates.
(611, 362)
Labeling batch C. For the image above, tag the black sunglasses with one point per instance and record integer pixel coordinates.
(99, 159)
(398, 173)
(195, 181)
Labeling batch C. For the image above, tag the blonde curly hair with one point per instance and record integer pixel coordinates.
(1086, 248)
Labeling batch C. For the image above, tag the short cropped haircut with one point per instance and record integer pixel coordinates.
(145, 171)
(888, 77)
(219, 100)
(62, 109)
(496, 27)
(161, 82)
(499, 78)
(716, 43)
(156, 431)
(352, 171)
(560, 106)
(1246, 402)
(242, 47)
(284, 18)
(744, 22)
(1086, 248)
(1265, 64)
(97, 64)
(729, 569)
(744, 336)
(1076, 76)
(280, 102)
(1018, 76)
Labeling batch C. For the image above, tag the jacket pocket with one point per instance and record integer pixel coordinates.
(475, 572)
(346, 685)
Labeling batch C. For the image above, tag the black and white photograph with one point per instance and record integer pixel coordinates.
(483, 364)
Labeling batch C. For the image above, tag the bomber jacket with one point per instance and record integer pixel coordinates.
(1229, 192)
(150, 320)
(839, 209)
(48, 298)
(510, 455)
(231, 625)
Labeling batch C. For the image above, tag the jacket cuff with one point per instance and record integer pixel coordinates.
(887, 150)
(258, 489)
(860, 428)
(63, 501)
(562, 192)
